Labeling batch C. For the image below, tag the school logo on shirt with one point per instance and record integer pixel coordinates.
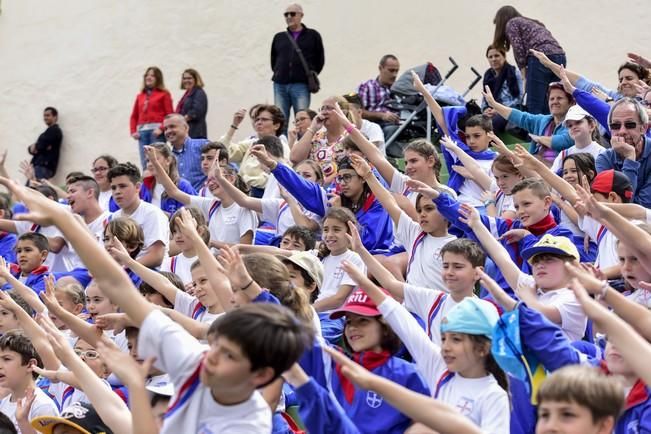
(204, 428)
(465, 405)
(373, 400)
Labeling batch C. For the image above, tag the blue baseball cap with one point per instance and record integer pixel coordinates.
(472, 316)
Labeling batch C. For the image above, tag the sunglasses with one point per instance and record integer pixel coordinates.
(88, 355)
(290, 14)
(629, 125)
(344, 179)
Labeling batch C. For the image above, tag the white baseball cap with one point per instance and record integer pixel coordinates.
(576, 113)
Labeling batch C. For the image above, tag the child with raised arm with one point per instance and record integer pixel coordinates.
(227, 221)
(218, 385)
(423, 240)
(31, 253)
(127, 232)
(460, 259)
(461, 372)
(126, 183)
(546, 288)
(181, 264)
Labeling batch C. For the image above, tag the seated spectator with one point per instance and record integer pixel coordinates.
(302, 122)
(505, 83)
(631, 148)
(186, 149)
(370, 129)
(45, 152)
(376, 92)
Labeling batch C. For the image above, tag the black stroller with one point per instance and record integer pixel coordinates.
(416, 119)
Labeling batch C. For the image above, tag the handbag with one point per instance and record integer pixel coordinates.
(313, 83)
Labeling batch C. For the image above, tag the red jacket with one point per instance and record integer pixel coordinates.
(151, 109)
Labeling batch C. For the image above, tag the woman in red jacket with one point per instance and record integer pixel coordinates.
(152, 104)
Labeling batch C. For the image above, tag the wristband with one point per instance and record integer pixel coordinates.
(603, 290)
(349, 128)
(233, 126)
(311, 130)
(247, 285)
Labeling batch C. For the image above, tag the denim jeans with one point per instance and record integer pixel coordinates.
(538, 79)
(147, 138)
(291, 95)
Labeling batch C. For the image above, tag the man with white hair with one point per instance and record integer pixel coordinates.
(289, 75)
(630, 147)
(186, 150)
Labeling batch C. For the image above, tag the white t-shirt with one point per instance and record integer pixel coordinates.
(573, 319)
(606, 242)
(63, 261)
(153, 222)
(271, 188)
(179, 265)
(180, 355)
(278, 213)
(641, 297)
(189, 306)
(503, 201)
(374, 134)
(226, 224)
(66, 395)
(399, 185)
(481, 400)
(104, 199)
(424, 266)
(96, 227)
(334, 276)
(431, 305)
(470, 192)
(593, 148)
(42, 406)
(157, 194)
(205, 192)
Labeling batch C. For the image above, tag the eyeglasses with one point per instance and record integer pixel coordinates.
(88, 355)
(99, 169)
(290, 14)
(261, 119)
(327, 108)
(629, 125)
(345, 179)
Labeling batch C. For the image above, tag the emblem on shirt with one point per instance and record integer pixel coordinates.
(204, 428)
(373, 400)
(465, 405)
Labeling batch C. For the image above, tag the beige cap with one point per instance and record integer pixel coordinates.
(310, 263)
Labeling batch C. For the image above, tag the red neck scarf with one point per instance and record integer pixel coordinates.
(369, 360)
(541, 227)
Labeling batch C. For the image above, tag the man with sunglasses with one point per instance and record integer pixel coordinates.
(631, 147)
(289, 76)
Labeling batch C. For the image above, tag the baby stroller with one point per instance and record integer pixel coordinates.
(416, 119)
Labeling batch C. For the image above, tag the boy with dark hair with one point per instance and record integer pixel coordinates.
(209, 153)
(125, 184)
(8, 319)
(249, 347)
(18, 357)
(31, 253)
(298, 238)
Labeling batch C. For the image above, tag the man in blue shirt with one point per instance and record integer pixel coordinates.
(631, 148)
(186, 150)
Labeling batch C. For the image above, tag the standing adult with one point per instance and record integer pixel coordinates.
(152, 104)
(45, 152)
(289, 76)
(186, 150)
(505, 83)
(524, 34)
(193, 105)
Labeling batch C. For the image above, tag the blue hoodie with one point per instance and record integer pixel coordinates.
(536, 124)
(548, 344)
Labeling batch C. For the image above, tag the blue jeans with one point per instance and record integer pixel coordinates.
(147, 138)
(291, 95)
(538, 79)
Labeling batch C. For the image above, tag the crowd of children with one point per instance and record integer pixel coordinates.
(314, 287)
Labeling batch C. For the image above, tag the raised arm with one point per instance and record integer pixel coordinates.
(434, 414)
(235, 193)
(477, 173)
(297, 213)
(493, 247)
(433, 106)
(501, 109)
(107, 273)
(381, 194)
(554, 67)
(21, 289)
(161, 176)
(395, 287)
(368, 149)
(301, 149)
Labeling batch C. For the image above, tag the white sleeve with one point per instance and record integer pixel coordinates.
(248, 221)
(167, 264)
(357, 261)
(406, 231)
(589, 226)
(177, 353)
(525, 279)
(572, 316)
(495, 412)
(184, 303)
(43, 405)
(270, 208)
(419, 300)
(203, 203)
(557, 163)
(156, 228)
(397, 182)
(426, 353)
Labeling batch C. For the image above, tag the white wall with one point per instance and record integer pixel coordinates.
(87, 57)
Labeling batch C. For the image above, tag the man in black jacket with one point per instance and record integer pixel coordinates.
(46, 149)
(290, 78)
